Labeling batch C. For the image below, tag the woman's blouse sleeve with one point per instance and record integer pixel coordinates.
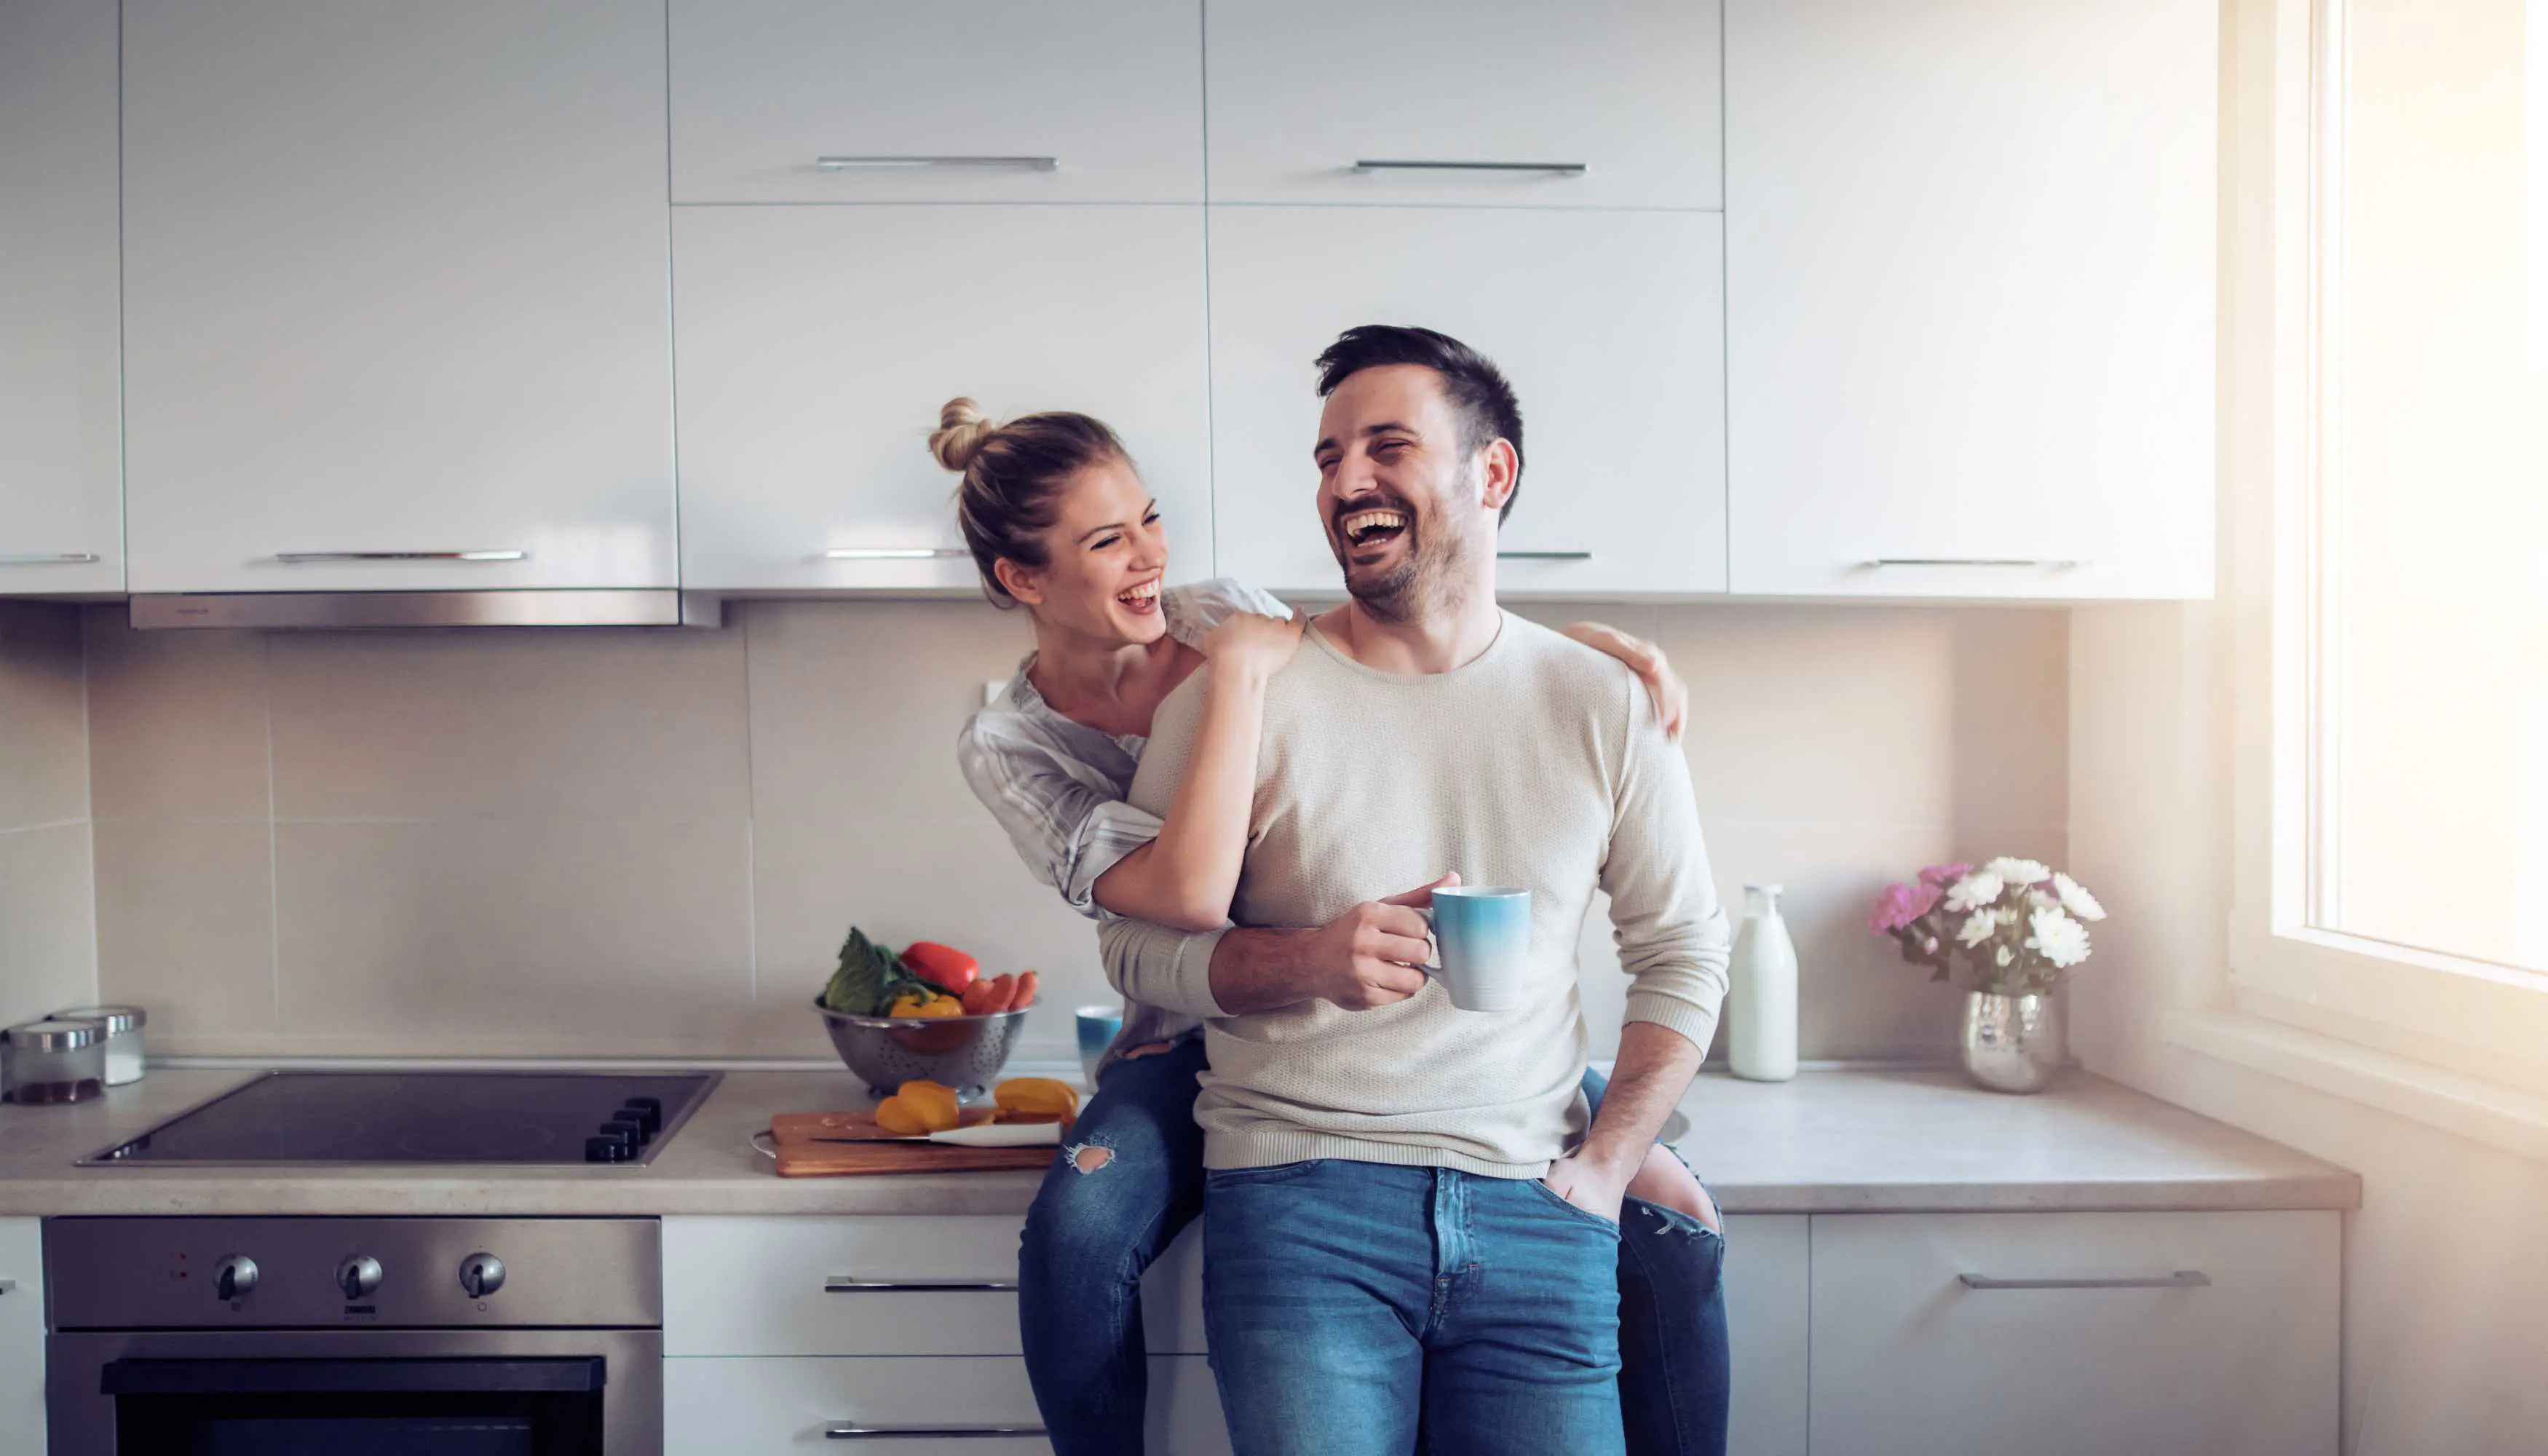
(1068, 829)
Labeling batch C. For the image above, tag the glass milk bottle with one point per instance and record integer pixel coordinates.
(1761, 1002)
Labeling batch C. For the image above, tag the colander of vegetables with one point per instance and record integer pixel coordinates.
(926, 1014)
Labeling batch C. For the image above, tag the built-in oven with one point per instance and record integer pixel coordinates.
(397, 1337)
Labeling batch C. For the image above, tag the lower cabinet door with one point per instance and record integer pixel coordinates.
(2083, 1333)
(21, 1337)
(1769, 1290)
(903, 1407)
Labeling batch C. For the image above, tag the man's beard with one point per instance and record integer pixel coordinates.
(1428, 575)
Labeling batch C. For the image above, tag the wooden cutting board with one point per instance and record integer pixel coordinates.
(792, 1134)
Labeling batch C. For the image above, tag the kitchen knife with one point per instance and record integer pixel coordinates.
(985, 1135)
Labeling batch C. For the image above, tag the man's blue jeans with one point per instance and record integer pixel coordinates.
(1350, 1305)
(1132, 1177)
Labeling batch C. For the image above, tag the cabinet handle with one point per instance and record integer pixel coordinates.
(895, 553)
(926, 1432)
(49, 558)
(1543, 556)
(897, 163)
(315, 557)
(1384, 164)
(2181, 1279)
(2017, 561)
(852, 1284)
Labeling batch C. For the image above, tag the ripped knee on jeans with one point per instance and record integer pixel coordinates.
(1088, 1158)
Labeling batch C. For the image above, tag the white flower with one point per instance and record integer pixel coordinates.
(2076, 899)
(2017, 871)
(1978, 929)
(2004, 957)
(1974, 891)
(2058, 937)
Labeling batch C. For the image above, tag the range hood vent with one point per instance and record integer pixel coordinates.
(339, 611)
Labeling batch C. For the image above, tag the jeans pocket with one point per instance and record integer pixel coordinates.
(1559, 1200)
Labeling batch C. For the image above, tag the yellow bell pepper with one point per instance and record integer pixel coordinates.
(933, 1103)
(1041, 1097)
(899, 1118)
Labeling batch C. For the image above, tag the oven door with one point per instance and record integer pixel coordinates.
(394, 1393)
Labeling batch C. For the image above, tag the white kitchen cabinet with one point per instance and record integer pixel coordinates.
(1969, 269)
(1513, 103)
(1769, 1295)
(718, 1406)
(799, 1286)
(395, 282)
(21, 1337)
(769, 1339)
(1609, 325)
(62, 485)
(1908, 1357)
(817, 344)
(931, 101)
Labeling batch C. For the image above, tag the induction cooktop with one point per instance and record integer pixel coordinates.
(329, 1119)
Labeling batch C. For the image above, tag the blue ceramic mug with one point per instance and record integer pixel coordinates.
(1483, 932)
(1099, 1026)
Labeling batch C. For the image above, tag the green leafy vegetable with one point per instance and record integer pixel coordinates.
(869, 978)
(862, 986)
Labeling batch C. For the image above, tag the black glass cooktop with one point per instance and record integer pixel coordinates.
(324, 1119)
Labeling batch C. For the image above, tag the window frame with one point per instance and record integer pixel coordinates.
(2455, 1012)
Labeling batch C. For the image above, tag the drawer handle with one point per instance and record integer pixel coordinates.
(1387, 165)
(49, 558)
(926, 1432)
(851, 1284)
(895, 553)
(2181, 1279)
(2047, 563)
(8, 1286)
(898, 163)
(316, 558)
(1543, 556)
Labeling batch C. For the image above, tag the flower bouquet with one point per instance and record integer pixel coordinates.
(2010, 928)
(2006, 933)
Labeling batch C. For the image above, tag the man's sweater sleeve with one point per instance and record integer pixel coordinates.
(1671, 932)
(1152, 964)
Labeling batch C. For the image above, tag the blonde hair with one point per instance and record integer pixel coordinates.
(1013, 473)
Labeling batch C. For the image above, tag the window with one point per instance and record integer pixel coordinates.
(2426, 527)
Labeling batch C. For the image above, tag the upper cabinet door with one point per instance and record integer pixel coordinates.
(395, 282)
(818, 343)
(1970, 258)
(937, 101)
(61, 486)
(1611, 327)
(1515, 102)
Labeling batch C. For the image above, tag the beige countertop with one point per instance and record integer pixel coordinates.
(1830, 1141)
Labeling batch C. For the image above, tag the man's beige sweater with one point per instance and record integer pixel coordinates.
(1542, 765)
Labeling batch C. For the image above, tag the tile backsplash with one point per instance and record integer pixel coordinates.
(620, 843)
(47, 921)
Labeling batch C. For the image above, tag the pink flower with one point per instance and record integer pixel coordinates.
(1943, 875)
(1901, 904)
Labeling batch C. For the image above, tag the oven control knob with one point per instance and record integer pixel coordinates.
(358, 1276)
(482, 1274)
(234, 1278)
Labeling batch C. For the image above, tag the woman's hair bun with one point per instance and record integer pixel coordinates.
(961, 429)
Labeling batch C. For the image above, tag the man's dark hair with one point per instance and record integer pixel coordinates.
(1477, 389)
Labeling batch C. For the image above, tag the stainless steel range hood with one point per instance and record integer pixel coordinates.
(526, 608)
